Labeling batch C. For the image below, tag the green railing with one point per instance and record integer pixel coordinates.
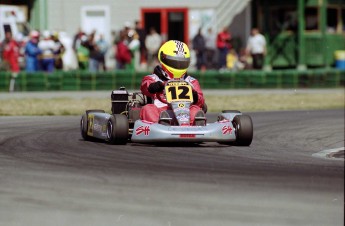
(81, 80)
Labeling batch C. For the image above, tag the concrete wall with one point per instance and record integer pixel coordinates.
(66, 14)
(241, 25)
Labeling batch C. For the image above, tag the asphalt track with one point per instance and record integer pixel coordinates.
(50, 176)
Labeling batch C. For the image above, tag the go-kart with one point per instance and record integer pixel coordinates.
(124, 125)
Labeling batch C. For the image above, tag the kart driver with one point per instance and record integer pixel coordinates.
(174, 59)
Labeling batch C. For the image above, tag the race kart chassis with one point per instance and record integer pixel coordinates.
(123, 125)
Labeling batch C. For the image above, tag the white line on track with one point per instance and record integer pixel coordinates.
(328, 154)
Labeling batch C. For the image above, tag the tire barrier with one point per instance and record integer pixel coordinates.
(83, 80)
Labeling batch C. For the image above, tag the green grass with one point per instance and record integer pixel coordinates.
(216, 103)
(276, 102)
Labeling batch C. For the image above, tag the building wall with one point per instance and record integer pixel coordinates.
(65, 15)
(240, 28)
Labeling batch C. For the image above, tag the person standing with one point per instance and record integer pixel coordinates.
(59, 51)
(10, 56)
(199, 48)
(123, 54)
(103, 48)
(48, 47)
(94, 54)
(256, 47)
(82, 53)
(223, 45)
(134, 47)
(153, 42)
(32, 52)
(10, 52)
(142, 35)
(210, 44)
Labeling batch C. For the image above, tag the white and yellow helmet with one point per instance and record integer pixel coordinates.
(174, 57)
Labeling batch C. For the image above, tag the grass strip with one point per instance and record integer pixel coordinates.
(216, 103)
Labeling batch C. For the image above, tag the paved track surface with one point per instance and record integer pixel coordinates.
(49, 176)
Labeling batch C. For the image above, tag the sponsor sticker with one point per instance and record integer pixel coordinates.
(183, 117)
(90, 119)
(187, 135)
(143, 130)
(181, 109)
(226, 130)
(97, 127)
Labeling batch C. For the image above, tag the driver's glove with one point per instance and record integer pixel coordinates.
(195, 96)
(156, 87)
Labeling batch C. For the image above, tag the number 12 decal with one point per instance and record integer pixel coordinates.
(179, 93)
(182, 95)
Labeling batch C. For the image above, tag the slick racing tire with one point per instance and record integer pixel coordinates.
(83, 127)
(244, 130)
(117, 129)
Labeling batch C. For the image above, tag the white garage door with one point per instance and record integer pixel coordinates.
(96, 18)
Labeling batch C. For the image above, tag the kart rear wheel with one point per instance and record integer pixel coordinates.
(244, 130)
(117, 129)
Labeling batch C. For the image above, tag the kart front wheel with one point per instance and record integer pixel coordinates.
(117, 129)
(244, 130)
(84, 123)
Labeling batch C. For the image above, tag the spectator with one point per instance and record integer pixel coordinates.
(245, 59)
(103, 48)
(60, 49)
(10, 51)
(123, 54)
(77, 41)
(48, 47)
(69, 57)
(142, 35)
(127, 28)
(233, 61)
(223, 45)
(32, 52)
(134, 47)
(81, 51)
(94, 54)
(153, 42)
(256, 47)
(210, 44)
(199, 47)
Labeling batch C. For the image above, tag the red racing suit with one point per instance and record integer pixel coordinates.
(151, 112)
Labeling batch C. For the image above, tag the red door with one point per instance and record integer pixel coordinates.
(170, 23)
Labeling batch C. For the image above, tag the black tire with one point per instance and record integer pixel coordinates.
(83, 127)
(231, 111)
(204, 108)
(244, 130)
(117, 129)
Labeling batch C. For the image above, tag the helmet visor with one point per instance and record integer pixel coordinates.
(175, 61)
